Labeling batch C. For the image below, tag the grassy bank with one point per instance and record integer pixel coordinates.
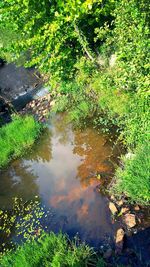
(133, 179)
(16, 137)
(51, 250)
(32, 247)
(96, 54)
(95, 95)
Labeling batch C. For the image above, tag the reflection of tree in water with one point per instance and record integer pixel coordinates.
(42, 150)
(17, 181)
(62, 129)
(95, 151)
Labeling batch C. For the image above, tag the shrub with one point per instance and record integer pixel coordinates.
(17, 136)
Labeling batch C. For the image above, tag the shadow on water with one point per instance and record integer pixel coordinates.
(136, 252)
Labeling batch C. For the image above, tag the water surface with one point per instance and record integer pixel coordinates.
(62, 170)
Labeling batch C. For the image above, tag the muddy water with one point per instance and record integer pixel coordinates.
(62, 170)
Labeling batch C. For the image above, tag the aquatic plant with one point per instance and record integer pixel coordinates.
(24, 242)
(21, 223)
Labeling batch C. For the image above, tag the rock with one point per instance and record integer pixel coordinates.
(120, 202)
(49, 97)
(52, 103)
(38, 104)
(112, 208)
(112, 197)
(130, 220)
(32, 105)
(108, 253)
(136, 208)
(41, 118)
(124, 210)
(44, 112)
(119, 240)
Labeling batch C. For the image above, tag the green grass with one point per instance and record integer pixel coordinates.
(53, 251)
(16, 137)
(134, 179)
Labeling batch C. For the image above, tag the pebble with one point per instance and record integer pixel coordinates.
(39, 107)
(136, 208)
(120, 202)
(124, 210)
(129, 220)
(112, 208)
(119, 240)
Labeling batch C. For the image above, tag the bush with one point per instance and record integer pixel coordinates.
(134, 179)
(17, 136)
(50, 250)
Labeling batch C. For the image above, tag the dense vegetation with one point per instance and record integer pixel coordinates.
(16, 137)
(96, 54)
(51, 250)
(134, 180)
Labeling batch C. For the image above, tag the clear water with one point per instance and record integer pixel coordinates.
(62, 170)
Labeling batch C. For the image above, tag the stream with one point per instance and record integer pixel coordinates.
(62, 170)
(69, 170)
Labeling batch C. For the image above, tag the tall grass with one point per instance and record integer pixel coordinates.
(134, 179)
(50, 250)
(16, 137)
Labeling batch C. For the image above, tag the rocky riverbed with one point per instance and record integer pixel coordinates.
(39, 108)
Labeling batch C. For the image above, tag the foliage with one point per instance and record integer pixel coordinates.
(97, 54)
(118, 92)
(52, 34)
(17, 136)
(75, 96)
(134, 179)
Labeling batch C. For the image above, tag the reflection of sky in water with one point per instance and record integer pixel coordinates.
(61, 169)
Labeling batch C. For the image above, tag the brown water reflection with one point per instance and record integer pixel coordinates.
(62, 169)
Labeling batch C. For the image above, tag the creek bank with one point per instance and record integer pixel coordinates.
(134, 221)
(40, 108)
(130, 217)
